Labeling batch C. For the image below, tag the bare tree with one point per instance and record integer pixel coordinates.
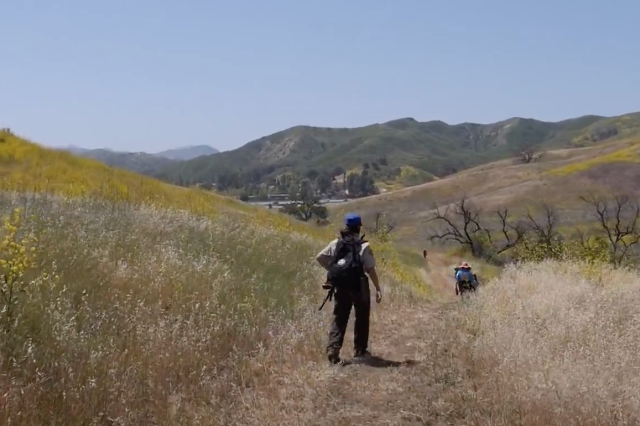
(512, 233)
(382, 225)
(527, 152)
(618, 220)
(545, 229)
(462, 224)
(527, 155)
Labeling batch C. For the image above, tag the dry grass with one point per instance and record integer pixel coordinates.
(556, 344)
(559, 178)
(130, 314)
(549, 344)
(140, 315)
(146, 316)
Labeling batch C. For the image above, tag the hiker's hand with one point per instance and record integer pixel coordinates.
(379, 296)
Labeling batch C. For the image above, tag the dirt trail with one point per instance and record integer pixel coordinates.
(438, 273)
(381, 392)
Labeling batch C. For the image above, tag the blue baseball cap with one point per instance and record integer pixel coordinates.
(352, 220)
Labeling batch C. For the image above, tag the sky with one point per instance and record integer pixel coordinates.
(148, 75)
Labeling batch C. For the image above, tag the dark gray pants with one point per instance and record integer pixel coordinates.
(343, 302)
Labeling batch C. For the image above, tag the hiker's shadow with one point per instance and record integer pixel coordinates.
(378, 362)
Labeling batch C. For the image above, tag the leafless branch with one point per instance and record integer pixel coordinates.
(381, 224)
(512, 234)
(545, 229)
(618, 219)
(461, 223)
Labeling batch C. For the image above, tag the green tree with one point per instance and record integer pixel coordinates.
(312, 174)
(323, 183)
(293, 192)
(305, 210)
(360, 185)
(337, 170)
(306, 190)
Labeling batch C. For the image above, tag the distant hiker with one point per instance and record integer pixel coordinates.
(465, 277)
(346, 260)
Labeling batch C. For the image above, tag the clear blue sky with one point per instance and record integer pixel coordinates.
(154, 74)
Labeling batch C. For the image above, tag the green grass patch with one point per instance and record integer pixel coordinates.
(409, 176)
(627, 155)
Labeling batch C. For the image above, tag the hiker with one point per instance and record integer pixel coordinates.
(346, 260)
(464, 275)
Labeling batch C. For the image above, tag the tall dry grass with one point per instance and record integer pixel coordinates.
(133, 315)
(128, 315)
(147, 316)
(553, 344)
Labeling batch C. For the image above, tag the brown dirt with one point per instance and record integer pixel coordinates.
(404, 384)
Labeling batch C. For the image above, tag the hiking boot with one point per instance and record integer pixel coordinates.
(360, 354)
(334, 356)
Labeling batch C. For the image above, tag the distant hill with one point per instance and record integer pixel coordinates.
(187, 152)
(434, 147)
(559, 178)
(141, 162)
(74, 149)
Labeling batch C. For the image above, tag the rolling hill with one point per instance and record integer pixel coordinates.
(434, 147)
(181, 305)
(187, 152)
(558, 178)
(142, 162)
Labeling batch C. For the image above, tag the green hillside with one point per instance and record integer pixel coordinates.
(435, 147)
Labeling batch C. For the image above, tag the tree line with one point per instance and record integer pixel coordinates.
(499, 236)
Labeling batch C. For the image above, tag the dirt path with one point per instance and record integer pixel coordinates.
(389, 391)
(379, 394)
(438, 273)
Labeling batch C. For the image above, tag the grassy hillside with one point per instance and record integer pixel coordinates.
(27, 167)
(127, 301)
(434, 147)
(559, 178)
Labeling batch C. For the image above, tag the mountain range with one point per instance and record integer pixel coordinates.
(142, 162)
(433, 147)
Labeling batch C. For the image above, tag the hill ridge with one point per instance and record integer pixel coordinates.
(434, 147)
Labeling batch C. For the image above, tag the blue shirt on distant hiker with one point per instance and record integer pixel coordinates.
(464, 273)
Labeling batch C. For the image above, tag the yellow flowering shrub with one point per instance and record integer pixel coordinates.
(17, 255)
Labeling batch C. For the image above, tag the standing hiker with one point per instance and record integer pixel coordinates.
(346, 260)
